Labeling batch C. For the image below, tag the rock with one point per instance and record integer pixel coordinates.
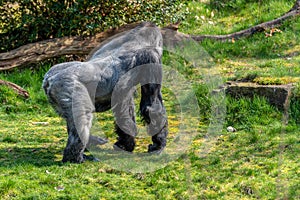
(276, 95)
(231, 129)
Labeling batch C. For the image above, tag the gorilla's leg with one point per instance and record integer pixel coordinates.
(75, 146)
(79, 121)
(154, 114)
(125, 125)
(125, 141)
(159, 140)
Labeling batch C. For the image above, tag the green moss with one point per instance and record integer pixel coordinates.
(276, 80)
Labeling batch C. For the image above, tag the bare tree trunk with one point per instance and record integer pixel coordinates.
(35, 52)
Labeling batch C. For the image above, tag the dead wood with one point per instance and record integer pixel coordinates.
(22, 92)
(35, 52)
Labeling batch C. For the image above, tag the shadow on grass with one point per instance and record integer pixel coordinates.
(39, 157)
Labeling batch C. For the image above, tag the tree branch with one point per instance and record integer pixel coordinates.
(16, 88)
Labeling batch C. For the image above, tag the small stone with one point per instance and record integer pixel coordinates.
(231, 129)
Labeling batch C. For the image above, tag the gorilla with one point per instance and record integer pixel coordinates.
(106, 81)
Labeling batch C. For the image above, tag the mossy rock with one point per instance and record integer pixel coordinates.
(276, 95)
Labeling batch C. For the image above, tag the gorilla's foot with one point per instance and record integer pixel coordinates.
(80, 159)
(125, 146)
(155, 148)
(74, 153)
(125, 141)
(73, 158)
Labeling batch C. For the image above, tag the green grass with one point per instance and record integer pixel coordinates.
(258, 161)
(277, 56)
(207, 18)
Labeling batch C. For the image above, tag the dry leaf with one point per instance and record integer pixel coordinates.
(60, 188)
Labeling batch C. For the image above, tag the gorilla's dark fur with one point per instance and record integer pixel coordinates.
(77, 89)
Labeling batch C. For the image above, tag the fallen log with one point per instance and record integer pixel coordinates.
(35, 52)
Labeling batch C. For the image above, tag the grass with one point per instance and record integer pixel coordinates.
(258, 161)
(266, 57)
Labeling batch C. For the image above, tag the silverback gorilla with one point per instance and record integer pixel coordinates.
(107, 81)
